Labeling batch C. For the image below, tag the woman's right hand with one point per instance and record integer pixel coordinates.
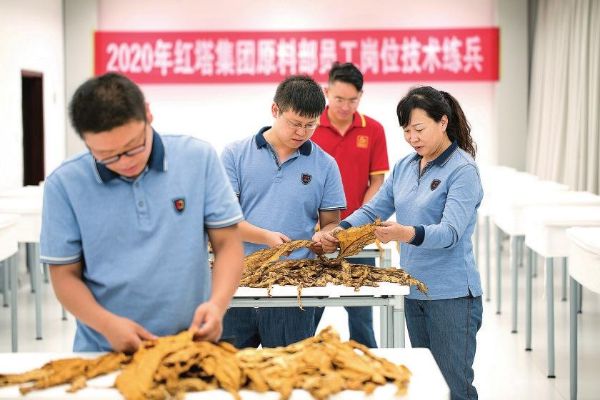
(125, 335)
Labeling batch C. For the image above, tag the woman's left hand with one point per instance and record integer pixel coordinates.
(394, 231)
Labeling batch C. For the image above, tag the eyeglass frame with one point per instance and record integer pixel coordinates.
(311, 127)
(129, 153)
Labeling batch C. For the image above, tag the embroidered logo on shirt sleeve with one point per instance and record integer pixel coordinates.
(305, 178)
(179, 205)
(435, 183)
(362, 142)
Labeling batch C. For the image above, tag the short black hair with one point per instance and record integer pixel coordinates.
(346, 72)
(302, 95)
(106, 102)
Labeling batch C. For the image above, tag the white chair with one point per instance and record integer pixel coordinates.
(584, 269)
(547, 236)
(8, 249)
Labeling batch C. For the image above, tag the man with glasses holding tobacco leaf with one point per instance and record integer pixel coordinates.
(125, 226)
(285, 184)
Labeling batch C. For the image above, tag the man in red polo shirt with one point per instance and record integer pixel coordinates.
(357, 143)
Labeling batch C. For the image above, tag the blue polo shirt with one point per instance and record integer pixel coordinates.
(285, 198)
(142, 241)
(441, 202)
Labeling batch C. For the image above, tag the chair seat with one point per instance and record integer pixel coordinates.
(584, 256)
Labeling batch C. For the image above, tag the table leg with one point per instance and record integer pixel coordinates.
(390, 326)
(383, 323)
(399, 324)
(514, 279)
(5, 282)
(574, 288)
(12, 265)
(564, 279)
(528, 295)
(29, 255)
(36, 272)
(550, 312)
(498, 270)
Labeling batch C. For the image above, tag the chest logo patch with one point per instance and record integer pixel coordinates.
(305, 178)
(434, 184)
(179, 205)
(362, 142)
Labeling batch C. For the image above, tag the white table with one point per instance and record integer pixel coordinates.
(388, 296)
(426, 381)
(30, 190)
(28, 229)
(584, 269)
(546, 236)
(8, 249)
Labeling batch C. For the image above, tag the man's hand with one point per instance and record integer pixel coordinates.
(328, 242)
(125, 335)
(273, 239)
(208, 322)
(394, 231)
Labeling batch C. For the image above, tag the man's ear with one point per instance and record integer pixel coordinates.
(149, 116)
(274, 110)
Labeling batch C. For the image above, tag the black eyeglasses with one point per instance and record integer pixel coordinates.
(129, 153)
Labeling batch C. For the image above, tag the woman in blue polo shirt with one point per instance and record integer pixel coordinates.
(435, 193)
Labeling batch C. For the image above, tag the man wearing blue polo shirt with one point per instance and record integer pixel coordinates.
(285, 184)
(125, 226)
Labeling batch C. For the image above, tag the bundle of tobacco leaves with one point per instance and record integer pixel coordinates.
(263, 269)
(170, 366)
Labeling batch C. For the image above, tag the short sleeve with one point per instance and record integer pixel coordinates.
(60, 241)
(221, 206)
(228, 160)
(333, 194)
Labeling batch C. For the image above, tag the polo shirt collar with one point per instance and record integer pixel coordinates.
(358, 120)
(157, 160)
(261, 142)
(442, 158)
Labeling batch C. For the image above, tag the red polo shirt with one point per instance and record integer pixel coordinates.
(361, 152)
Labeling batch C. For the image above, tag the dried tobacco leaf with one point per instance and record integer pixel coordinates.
(71, 370)
(263, 269)
(172, 365)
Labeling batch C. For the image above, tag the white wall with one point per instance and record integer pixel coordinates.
(31, 33)
(223, 113)
(512, 91)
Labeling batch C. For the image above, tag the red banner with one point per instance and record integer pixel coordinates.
(238, 57)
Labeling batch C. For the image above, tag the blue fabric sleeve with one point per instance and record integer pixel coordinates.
(333, 192)
(380, 206)
(60, 240)
(221, 207)
(228, 160)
